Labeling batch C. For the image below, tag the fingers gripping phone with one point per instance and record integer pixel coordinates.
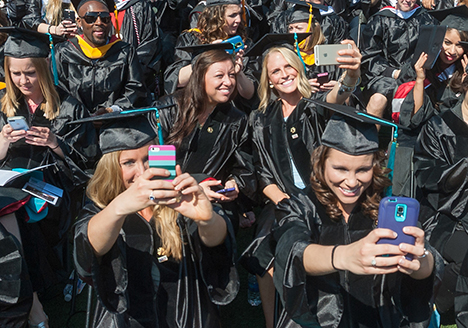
(69, 14)
(18, 123)
(326, 54)
(395, 213)
(163, 157)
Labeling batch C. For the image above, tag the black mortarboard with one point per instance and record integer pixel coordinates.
(302, 11)
(79, 3)
(272, 39)
(430, 42)
(456, 17)
(23, 43)
(125, 130)
(210, 3)
(198, 49)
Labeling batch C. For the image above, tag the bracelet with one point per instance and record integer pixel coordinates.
(333, 257)
(347, 88)
(55, 147)
(48, 29)
(426, 253)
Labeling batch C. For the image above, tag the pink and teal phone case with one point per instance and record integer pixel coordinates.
(163, 157)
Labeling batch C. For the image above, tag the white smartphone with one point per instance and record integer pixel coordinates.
(326, 54)
(18, 123)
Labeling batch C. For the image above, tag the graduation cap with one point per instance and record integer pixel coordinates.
(24, 43)
(79, 3)
(353, 132)
(198, 49)
(275, 40)
(304, 11)
(210, 3)
(130, 129)
(430, 42)
(456, 17)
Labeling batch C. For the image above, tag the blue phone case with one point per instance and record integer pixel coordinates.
(236, 42)
(395, 213)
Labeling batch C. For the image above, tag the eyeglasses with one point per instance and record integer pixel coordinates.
(91, 17)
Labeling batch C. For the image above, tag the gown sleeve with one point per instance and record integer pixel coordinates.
(33, 16)
(182, 58)
(293, 234)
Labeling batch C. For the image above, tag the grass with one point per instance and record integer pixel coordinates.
(237, 314)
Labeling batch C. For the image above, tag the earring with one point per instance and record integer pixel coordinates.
(271, 85)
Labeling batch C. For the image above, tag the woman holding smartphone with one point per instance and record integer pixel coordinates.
(220, 20)
(156, 251)
(30, 93)
(210, 134)
(329, 269)
(285, 132)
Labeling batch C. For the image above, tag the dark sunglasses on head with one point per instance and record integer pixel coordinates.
(91, 17)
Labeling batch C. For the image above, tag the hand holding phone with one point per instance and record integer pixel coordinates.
(225, 190)
(237, 44)
(163, 157)
(18, 123)
(322, 78)
(326, 54)
(395, 213)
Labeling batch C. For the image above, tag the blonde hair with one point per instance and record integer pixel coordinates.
(54, 11)
(316, 38)
(107, 183)
(11, 100)
(264, 90)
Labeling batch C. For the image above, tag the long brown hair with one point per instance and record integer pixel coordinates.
(456, 80)
(369, 200)
(316, 38)
(211, 22)
(107, 183)
(192, 99)
(11, 100)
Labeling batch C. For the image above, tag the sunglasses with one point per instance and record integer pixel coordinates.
(91, 17)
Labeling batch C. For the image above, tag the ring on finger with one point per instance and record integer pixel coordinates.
(426, 253)
(151, 196)
(374, 262)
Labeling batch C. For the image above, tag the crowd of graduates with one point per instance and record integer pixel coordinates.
(103, 95)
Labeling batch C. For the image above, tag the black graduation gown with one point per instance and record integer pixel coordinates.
(441, 163)
(388, 42)
(140, 29)
(135, 290)
(274, 142)
(33, 18)
(114, 79)
(220, 149)
(341, 299)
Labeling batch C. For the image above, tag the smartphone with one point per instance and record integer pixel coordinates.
(69, 14)
(236, 42)
(223, 191)
(326, 54)
(163, 157)
(322, 78)
(18, 123)
(395, 213)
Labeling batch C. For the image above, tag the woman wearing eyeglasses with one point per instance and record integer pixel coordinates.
(100, 71)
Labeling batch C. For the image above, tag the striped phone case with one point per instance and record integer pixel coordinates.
(163, 157)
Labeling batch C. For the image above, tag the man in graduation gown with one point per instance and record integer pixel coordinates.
(136, 24)
(389, 39)
(101, 72)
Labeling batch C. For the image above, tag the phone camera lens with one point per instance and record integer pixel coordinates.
(400, 209)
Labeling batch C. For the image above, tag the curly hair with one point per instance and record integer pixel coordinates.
(369, 200)
(211, 22)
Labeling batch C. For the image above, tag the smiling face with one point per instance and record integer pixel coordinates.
(282, 76)
(133, 163)
(348, 177)
(24, 76)
(95, 34)
(220, 81)
(451, 48)
(232, 19)
(405, 5)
